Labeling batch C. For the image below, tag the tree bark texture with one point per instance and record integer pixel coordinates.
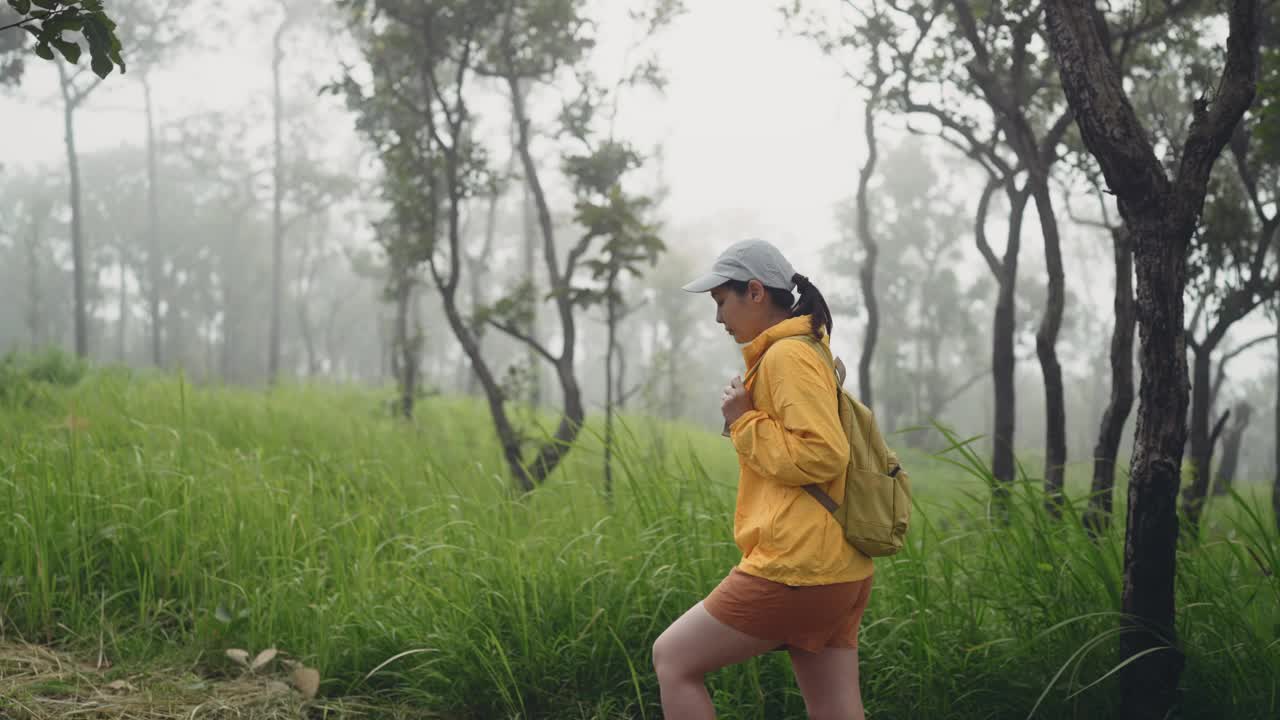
(1046, 349)
(1161, 215)
(1003, 361)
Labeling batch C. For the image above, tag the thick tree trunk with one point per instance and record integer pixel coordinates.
(1098, 515)
(1162, 215)
(153, 229)
(78, 260)
(1149, 685)
(1046, 349)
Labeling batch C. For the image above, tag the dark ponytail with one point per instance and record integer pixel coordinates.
(813, 304)
(810, 302)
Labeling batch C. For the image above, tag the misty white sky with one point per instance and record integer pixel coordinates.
(754, 123)
(762, 136)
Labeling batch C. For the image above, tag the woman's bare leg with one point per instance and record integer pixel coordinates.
(829, 682)
(691, 647)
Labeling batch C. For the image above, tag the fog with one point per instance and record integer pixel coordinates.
(756, 133)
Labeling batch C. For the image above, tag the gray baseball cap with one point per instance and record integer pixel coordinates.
(747, 260)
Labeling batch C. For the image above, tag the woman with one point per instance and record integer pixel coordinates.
(800, 586)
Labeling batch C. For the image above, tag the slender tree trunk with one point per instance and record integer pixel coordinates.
(1231, 449)
(1275, 480)
(35, 319)
(1003, 361)
(530, 232)
(228, 341)
(1046, 349)
(277, 201)
(78, 259)
(675, 342)
(1236, 306)
(611, 319)
(153, 228)
(478, 268)
(176, 335)
(308, 337)
(867, 273)
(331, 354)
(123, 325)
(386, 357)
(405, 361)
(1098, 515)
(620, 394)
(304, 319)
(553, 452)
(1201, 443)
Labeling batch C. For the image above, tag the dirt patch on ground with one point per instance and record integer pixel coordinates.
(39, 683)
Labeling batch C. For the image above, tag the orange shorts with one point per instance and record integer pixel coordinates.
(808, 617)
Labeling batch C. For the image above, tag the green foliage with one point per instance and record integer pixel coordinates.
(515, 309)
(48, 20)
(208, 518)
(24, 379)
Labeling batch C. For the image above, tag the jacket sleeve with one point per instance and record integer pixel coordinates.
(804, 442)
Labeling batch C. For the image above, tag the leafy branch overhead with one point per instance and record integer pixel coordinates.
(49, 22)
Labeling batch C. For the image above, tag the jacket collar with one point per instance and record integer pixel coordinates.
(754, 350)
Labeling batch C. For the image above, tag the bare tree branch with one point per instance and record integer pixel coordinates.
(526, 339)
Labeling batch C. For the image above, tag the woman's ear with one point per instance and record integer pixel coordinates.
(755, 290)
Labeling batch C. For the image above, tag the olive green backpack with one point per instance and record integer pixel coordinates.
(876, 507)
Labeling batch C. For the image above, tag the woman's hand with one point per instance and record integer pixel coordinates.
(735, 401)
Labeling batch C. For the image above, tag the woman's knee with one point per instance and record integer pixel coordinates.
(665, 657)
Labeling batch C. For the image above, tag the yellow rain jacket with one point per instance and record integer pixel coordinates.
(792, 438)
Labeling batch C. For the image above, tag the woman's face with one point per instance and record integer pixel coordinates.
(743, 316)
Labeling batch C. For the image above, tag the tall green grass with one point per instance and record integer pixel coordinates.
(155, 517)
